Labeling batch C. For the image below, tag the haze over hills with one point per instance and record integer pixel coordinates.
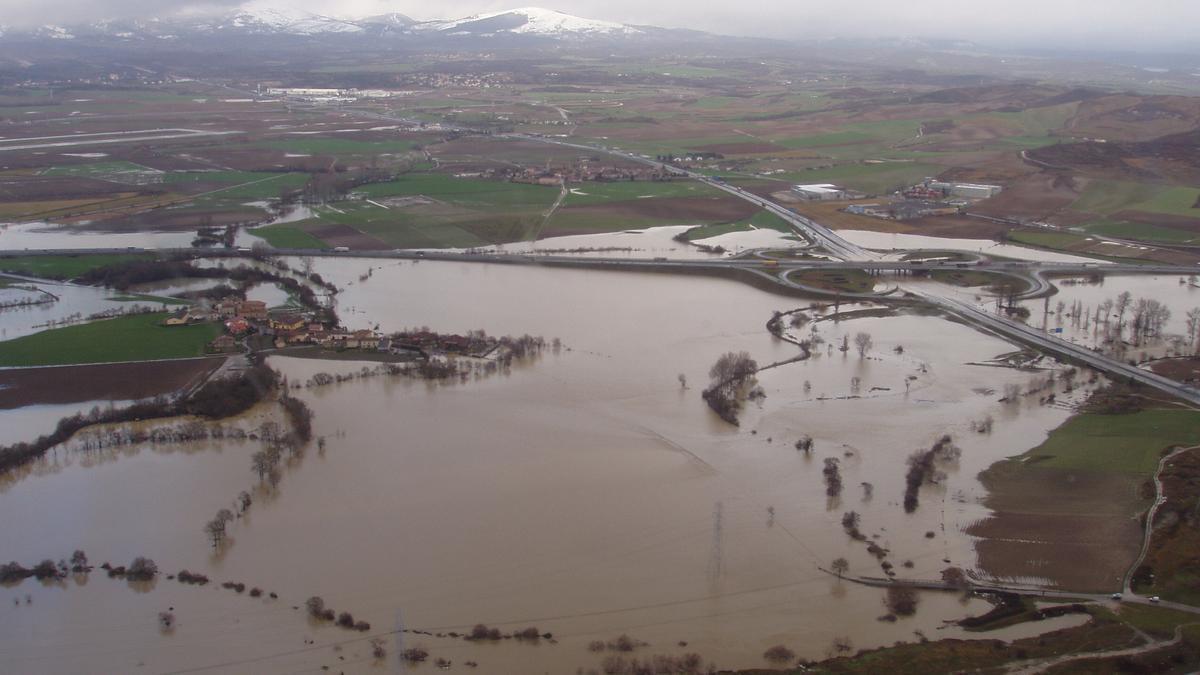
(263, 32)
(267, 19)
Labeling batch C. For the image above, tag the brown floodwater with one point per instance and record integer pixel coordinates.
(585, 492)
(1174, 291)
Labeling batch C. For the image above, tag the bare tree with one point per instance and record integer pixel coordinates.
(779, 654)
(1121, 306)
(864, 343)
(840, 567)
(261, 463)
(901, 600)
(1193, 328)
(833, 477)
(215, 529)
(141, 569)
(378, 648)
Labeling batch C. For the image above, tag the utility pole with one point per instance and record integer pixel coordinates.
(399, 639)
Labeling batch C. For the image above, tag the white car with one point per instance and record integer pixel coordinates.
(1154, 599)
(1115, 596)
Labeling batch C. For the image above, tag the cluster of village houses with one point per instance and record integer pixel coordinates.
(580, 172)
(289, 329)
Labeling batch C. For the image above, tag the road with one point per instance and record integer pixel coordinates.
(824, 237)
(73, 140)
(1148, 533)
(1067, 351)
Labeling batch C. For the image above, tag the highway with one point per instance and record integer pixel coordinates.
(809, 229)
(814, 232)
(851, 257)
(1067, 351)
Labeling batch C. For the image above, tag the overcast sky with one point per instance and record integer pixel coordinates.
(1153, 25)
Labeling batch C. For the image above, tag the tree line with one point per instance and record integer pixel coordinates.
(215, 400)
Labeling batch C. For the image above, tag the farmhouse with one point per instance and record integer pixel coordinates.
(223, 344)
(287, 322)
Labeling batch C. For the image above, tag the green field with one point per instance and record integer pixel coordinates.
(1129, 443)
(467, 192)
(1121, 229)
(824, 140)
(63, 266)
(605, 193)
(1033, 122)
(116, 172)
(243, 186)
(457, 212)
(287, 235)
(869, 178)
(128, 338)
(1106, 197)
(1046, 239)
(338, 146)
(760, 220)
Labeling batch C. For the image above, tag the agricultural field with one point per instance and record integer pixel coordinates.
(1106, 197)
(1128, 444)
(1107, 458)
(63, 266)
(139, 337)
(760, 220)
(290, 235)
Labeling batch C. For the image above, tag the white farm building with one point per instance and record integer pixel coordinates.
(819, 191)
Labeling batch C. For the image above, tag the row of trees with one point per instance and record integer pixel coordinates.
(1127, 318)
(923, 469)
(215, 400)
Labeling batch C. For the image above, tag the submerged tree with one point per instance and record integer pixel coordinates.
(833, 477)
(863, 342)
(840, 567)
(922, 469)
(729, 376)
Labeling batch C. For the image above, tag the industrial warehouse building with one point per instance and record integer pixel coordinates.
(965, 190)
(819, 191)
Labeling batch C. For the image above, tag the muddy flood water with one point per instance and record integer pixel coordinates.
(585, 493)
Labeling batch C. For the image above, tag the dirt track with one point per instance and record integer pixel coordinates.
(108, 381)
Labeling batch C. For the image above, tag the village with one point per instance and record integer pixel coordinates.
(250, 326)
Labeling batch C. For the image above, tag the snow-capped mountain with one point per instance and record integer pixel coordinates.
(530, 21)
(267, 18)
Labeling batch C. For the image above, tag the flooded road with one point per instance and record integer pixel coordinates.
(585, 493)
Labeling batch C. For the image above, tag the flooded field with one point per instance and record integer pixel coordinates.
(72, 303)
(1173, 291)
(902, 243)
(271, 294)
(16, 236)
(586, 493)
